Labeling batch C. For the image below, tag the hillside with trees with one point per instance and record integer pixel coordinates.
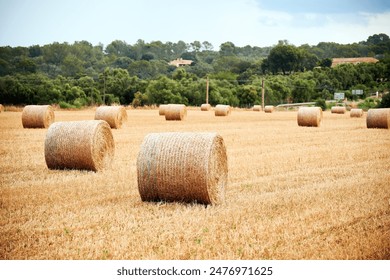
(80, 74)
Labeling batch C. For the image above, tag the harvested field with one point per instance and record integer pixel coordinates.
(293, 193)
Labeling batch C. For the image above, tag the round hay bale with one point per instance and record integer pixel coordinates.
(338, 110)
(1, 108)
(115, 116)
(161, 109)
(175, 112)
(222, 110)
(309, 116)
(85, 145)
(356, 113)
(205, 107)
(257, 108)
(378, 118)
(269, 109)
(182, 166)
(37, 116)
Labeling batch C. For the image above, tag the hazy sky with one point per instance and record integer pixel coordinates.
(243, 22)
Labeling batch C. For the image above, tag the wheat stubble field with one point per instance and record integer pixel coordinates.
(293, 193)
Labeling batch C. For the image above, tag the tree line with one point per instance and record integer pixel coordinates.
(80, 74)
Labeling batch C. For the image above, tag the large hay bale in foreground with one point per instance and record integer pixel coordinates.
(269, 109)
(222, 110)
(85, 145)
(378, 118)
(161, 109)
(338, 110)
(182, 166)
(37, 116)
(175, 112)
(309, 116)
(205, 107)
(1, 108)
(356, 113)
(257, 108)
(115, 116)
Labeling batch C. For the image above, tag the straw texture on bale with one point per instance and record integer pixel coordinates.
(37, 116)
(257, 108)
(87, 145)
(338, 110)
(115, 116)
(378, 118)
(183, 167)
(356, 113)
(309, 116)
(175, 112)
(1, 108)
(161, 109)
(205, 107)
(222, 110)
(269, 109)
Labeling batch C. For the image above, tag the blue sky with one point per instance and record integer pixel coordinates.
(243, 22)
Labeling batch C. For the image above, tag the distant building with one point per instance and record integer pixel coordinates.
(353, 60)
(180, 62)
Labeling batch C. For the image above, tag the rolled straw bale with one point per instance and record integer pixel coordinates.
(85, 145)
(115, 116)
(37, 116)
(309, 116)
(378, 118)
(175, 112)
(222, 110)
(161, 109)
(338, 110)
(1, 108)
(257, 108)
(182, 166)
(269, 109)
(205, 107)
(356, 113)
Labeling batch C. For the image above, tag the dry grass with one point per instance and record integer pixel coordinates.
(292, 193)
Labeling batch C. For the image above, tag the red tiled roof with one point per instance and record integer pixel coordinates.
(353, 60)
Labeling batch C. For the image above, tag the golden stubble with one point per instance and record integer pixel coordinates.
(293, 193)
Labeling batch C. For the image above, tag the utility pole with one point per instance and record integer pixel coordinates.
(262, 94)
(104, 88)
(207, 90)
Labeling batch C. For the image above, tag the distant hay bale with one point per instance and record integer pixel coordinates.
(257, 108)
(356, 113)
(222, 110)
(85, 145)
(175, 112)
(115, 116)
(161, 109)
(205, 107)
(309, 116)
(378, 118)
(183, 167)
(269, 109)
(37, 116)
(338, 110)
(1, 108)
